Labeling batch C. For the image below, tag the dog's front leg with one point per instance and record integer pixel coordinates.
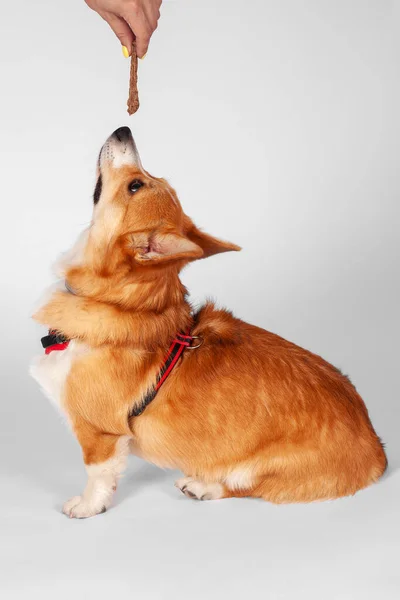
(105, 458)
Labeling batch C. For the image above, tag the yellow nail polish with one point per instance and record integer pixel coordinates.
(125, 51)
(144, 56)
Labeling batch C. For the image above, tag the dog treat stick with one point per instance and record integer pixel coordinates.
(133, 100)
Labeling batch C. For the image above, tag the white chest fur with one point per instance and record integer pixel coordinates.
(51, 370)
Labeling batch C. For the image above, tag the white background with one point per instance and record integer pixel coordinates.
(278, 123)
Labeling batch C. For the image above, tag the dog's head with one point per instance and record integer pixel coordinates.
(138, 228)
(141, 214)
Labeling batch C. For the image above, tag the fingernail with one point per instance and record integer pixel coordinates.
(125, 51)
(144, 56)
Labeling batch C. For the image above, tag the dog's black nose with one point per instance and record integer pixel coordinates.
(122, 134)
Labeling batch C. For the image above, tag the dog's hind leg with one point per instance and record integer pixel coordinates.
(105, 458)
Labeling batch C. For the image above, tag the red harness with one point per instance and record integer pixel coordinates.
(56, 342)
(62, 346)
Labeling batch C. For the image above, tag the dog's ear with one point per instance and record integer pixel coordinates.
(164, 247)
(209, 244)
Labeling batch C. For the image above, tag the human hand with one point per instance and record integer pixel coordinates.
(129, 19)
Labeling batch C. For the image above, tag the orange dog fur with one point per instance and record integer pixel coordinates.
(246, 414)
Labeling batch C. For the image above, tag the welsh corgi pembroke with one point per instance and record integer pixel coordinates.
(238, 410)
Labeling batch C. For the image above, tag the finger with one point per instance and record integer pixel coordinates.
(142, 30)
(120, 28)
(142, 44)
(151, 24)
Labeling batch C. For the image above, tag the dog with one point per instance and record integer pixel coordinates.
(239, 410)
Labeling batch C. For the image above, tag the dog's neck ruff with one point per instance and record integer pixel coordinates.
(55, 341)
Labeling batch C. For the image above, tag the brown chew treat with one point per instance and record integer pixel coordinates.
(133, 100)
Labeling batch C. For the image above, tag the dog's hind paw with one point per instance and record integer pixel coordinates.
(198, 490)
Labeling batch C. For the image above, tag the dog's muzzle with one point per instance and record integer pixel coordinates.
(119, 150)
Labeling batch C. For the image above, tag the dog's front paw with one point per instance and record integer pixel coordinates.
(199, 490)
(78, 508)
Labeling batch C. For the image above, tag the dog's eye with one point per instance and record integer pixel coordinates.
(135, 185)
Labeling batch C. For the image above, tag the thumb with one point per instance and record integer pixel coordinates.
(121, 29)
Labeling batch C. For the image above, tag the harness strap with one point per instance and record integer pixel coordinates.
(174, 353)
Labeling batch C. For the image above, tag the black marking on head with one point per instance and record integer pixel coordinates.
(97, 190)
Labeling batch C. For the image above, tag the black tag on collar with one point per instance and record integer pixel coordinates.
(54, 337)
